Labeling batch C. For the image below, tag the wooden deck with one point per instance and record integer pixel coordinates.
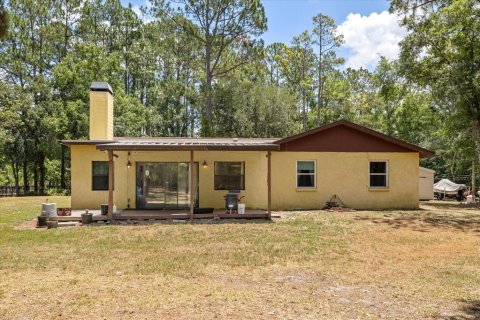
(185, 215)
(163, 215)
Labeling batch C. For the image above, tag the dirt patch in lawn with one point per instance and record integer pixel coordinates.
(27, 225)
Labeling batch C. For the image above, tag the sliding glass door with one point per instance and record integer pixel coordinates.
(164, 185)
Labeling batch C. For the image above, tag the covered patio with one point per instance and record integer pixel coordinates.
(190, 145)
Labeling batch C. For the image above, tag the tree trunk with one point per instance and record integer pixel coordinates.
(25, 177)
(389, 120)
(474, 180)
(304, 93)
(320, 81)
(476, 136)
(16, 170)
(207, 122)
(304, 106)
(41, 167)
(62, 168)
(208, 112)
(35, 177)
(17, 183)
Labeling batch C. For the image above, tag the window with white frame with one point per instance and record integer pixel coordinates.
(306, 174)
(378, 174)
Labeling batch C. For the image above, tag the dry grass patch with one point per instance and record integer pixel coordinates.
(392, 264)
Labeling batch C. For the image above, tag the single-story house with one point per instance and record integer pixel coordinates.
(365, 168)
(425, 183)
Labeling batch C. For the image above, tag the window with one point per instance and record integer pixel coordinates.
(378, 174)
(229, 176)
(99, 175)
(306, 174)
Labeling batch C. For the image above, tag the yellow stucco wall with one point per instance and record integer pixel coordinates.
(344, 174)
(81, 174)
(81, 167)
(101, 115)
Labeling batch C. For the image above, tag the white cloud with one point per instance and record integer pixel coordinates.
(369, 37)
(138, 10)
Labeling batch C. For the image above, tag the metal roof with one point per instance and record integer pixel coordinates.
(174, 143)
(84, 142)
(235, 144)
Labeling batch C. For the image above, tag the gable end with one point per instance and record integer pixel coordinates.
(344, 136)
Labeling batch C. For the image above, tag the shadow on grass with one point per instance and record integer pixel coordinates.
(470, 311)
(450, 205)
(427, 221)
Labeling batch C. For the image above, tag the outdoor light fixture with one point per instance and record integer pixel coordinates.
(205, 164)
(129, 164)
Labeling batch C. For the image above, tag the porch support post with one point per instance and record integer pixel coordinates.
(269, 184)
(192, 185)
(110, 184)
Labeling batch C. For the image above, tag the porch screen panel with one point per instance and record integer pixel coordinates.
(229, 175)
(99, 175)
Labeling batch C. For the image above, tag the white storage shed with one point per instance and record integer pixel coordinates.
(425, 183)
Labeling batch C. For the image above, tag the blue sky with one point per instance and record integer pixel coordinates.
(369, 30)
(288, 18)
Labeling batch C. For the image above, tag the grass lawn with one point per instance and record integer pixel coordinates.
(307, 265)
